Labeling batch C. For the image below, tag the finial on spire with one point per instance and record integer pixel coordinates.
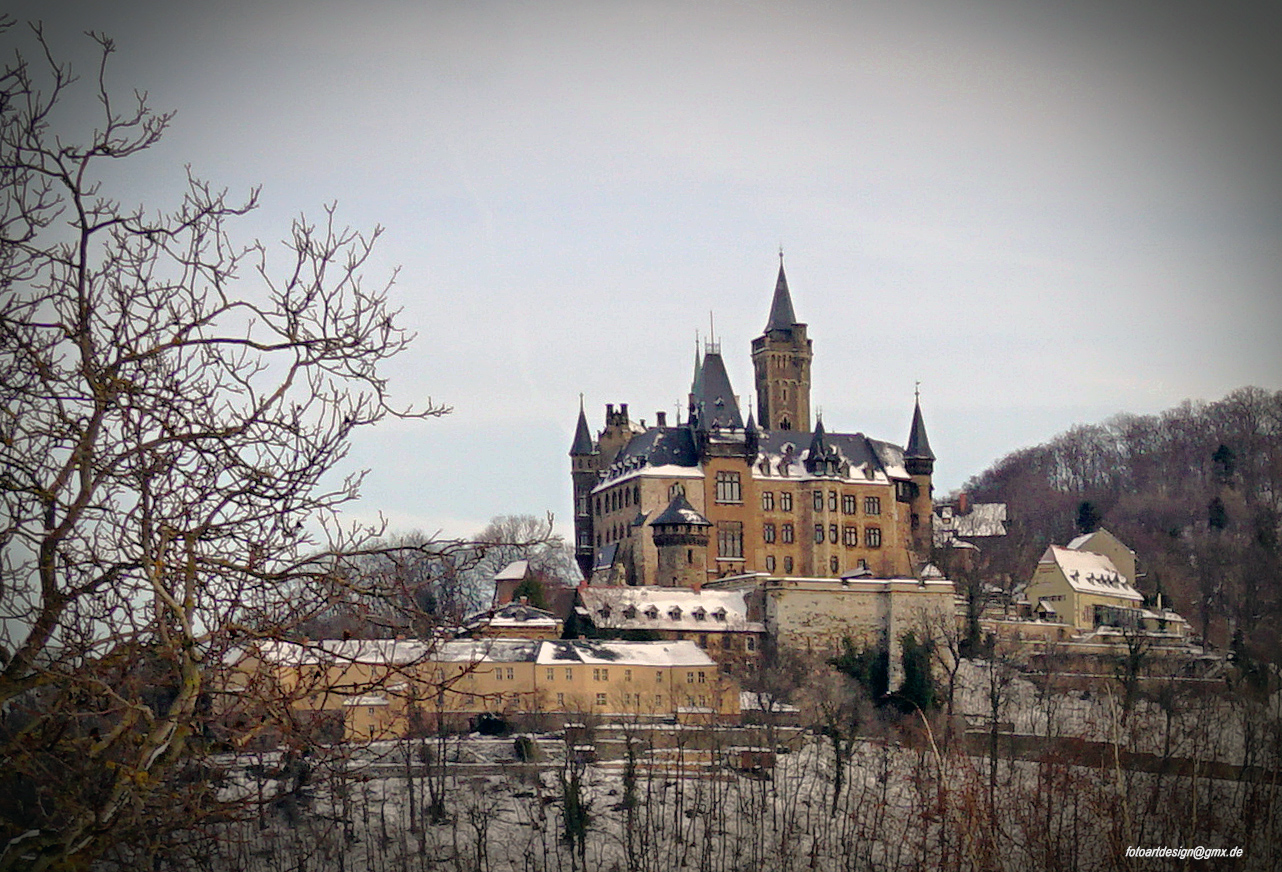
(917, 390)
(781, 254)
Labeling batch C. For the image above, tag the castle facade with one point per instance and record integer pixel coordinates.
(719, 495)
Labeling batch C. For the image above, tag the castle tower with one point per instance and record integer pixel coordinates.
(681, 537)
(919, 460)
(585, 462)
(781, 358)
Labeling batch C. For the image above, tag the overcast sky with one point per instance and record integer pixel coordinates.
(1046, 213)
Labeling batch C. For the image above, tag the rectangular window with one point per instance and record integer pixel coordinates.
(872, 537)
(511, 676)
(767, 501)
(658, 700)
(787, 563)
(832, 501)
(819, 533)
(832, 533)
(703, 678)
(600, 699)
(847, 504)
(689, 678)
(750, 643)
(730, 540)
(787, 533)
(872, 505)
(551, 674)
(832, 564)
(627, 675)
(850, 536)
(569, 674)
(770, 563)
(658, 677)
(785, 501)
(728, 487)
(768, 532)
(819, 501)
(560, 700)
(498, 673)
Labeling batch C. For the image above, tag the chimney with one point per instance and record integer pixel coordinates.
(963, 503)
(609, 411)
(661, 419)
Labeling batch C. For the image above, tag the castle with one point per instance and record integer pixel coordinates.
(716, 496)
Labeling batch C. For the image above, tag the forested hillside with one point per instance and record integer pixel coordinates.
(1196, 491)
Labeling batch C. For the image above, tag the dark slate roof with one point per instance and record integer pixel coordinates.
(856, 448)
(679, 511)
(582, 436)
(782, 316)
(918, 445)
(660, 446)
(713, 399)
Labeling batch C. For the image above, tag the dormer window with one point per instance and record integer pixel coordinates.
(719, 615)
(604, 611)
(675, 613)
(652, 613)
(630, 613)
(699, 613)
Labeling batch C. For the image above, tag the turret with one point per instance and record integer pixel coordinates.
(681, 537)
(584, 468)
(919, 461)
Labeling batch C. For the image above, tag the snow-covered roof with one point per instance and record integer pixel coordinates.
(513, 615)
(1082, 541)
(394, 652)
(1088, 572)
(669, 608)
(514, 571)
(366, 699)
(981, 519)
(782, 454)
(607, 653)
(493, 650)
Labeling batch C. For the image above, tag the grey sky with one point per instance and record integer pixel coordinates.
(1045, 215)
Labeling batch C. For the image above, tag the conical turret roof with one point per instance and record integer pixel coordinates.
(782, 316)
(582, 436)
(918, 447)
(679, 511)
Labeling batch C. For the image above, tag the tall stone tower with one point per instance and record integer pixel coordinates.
(919, 460)
(781, 359)
(585, 461)
(681, 537)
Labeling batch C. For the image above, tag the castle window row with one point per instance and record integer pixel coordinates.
(617, 499)
(848, 535)
(849, 502)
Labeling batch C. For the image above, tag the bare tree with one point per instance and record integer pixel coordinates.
(174, 409)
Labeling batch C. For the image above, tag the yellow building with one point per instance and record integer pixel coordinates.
(770, 494)
(1082, 589)
(385, 689)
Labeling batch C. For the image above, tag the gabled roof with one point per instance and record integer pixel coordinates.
(782, 316)
(1088, 572)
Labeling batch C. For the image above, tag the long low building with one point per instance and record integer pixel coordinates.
(396, 688)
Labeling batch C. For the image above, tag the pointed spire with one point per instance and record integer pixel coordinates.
(582, 435)
(918, 448)
(782, 317)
